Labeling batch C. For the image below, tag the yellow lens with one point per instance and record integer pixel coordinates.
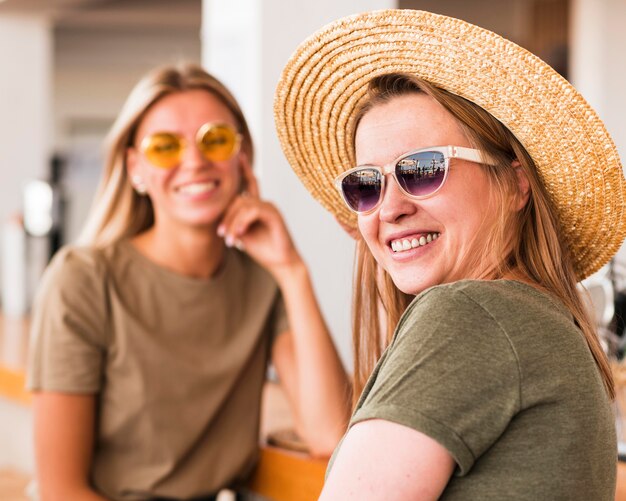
(163, 149)
(218, 142)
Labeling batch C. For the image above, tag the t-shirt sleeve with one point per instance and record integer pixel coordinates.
(68, 330)
(450, 373)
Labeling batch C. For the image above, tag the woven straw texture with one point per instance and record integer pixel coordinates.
(326, 79)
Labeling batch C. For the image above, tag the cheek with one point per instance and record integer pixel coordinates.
(368, 227)
(362, 226)
(233, 177)
(467, 204)
(156, 178)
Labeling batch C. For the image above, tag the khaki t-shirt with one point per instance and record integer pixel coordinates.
(498, 373)
(177, 365)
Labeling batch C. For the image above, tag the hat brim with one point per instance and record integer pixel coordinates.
(326, 79)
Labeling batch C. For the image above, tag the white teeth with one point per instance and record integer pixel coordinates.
(197, 188)
(404, 244)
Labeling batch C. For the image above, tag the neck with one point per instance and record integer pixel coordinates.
(194, 252)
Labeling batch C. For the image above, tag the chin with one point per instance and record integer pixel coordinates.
(202, 218)
(409, 288)
(412, 287)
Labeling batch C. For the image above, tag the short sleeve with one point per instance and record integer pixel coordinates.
(450, 373)
(68, 330)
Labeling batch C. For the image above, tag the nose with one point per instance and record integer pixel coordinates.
(192, 157)
(395, 204)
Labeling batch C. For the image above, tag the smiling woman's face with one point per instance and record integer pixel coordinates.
(449, 224)
(197, 191)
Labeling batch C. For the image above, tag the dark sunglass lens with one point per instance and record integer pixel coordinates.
(422, 173)
(361, 189)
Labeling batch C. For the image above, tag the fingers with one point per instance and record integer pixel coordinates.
(259, 227)
(249, 179)
(243, 213)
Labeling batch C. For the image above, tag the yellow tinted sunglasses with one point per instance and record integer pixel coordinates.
(217, 142)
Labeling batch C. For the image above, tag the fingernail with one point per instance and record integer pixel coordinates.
(221, 230)
(239, 245)
(229, 241)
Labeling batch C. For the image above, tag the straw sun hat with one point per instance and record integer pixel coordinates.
(326, 78)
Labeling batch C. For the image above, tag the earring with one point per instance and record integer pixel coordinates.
(138, 184)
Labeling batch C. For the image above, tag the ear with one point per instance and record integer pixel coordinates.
(132, 172)
(523, 186)
(131, 161)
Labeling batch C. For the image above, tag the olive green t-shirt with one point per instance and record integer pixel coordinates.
(498, 373)
(177, 365)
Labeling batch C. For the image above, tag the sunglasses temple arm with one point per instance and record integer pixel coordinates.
(472, 155)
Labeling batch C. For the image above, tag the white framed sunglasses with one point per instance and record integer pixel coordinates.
(419, 173)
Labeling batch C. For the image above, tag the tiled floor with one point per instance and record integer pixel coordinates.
(13, 485)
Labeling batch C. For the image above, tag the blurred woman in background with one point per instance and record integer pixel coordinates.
(151, 339)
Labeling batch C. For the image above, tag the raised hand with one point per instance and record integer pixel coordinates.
(257, 227)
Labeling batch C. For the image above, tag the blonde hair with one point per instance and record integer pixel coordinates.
(118, 211)
(533, 252)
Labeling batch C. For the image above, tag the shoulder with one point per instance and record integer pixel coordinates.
(74, 272)
(500, 300)
(503, 316)
(73, 261)
(468, 313)
(448, 352)
(449, 302)
(480, 292)
(69, 323)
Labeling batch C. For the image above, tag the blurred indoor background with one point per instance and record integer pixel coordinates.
(67, 65)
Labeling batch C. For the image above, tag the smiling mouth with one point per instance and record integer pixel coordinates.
(197, 188)
(405, 244)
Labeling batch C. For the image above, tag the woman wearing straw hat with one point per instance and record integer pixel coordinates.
(151, 341)
(482, 188)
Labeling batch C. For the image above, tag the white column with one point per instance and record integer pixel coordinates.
(588, 44)
(614, 111)
(598, 67)
(25, 96)
(614, 60)
(25, 101)
(232, 51)
(246, 43)
(598, 71)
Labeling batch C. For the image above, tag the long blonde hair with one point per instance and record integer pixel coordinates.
(118, 211)
(536, 252)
